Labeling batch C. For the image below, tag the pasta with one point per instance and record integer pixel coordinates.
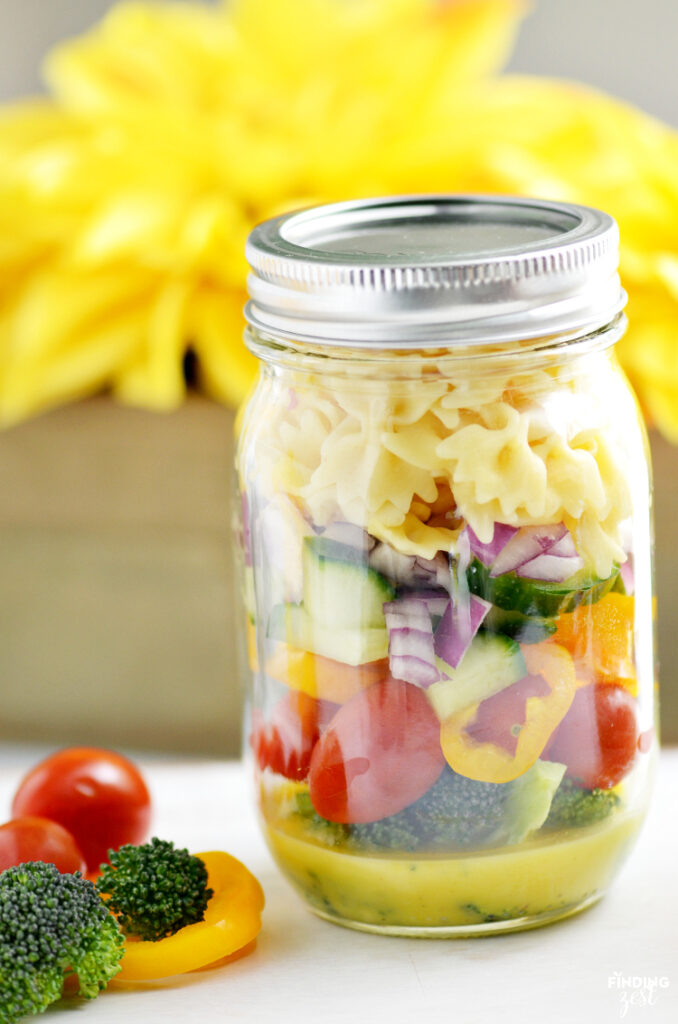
(413, 461)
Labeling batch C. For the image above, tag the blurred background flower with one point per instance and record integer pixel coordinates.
(126, 197)
(127, 188)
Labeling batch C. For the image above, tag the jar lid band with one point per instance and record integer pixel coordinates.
(416, 271)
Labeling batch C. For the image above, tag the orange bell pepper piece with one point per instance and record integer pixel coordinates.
(232, 921)
(323, 678)
(600, 639)
(489, 762)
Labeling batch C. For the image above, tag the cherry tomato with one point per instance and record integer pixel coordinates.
(25, 839)
(500, 717)
(98, 795)
(598, 737)
(379, 754)
(285, 744)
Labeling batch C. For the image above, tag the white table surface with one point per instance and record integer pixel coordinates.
(305, 970)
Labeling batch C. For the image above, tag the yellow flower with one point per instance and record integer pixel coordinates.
(125, 200)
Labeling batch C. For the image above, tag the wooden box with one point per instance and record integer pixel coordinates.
(118, 612)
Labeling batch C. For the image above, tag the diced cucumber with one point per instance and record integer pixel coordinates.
(292, 624)
(248, 593)
(492, 662)
(525, 629)
(340, 590)
(537, 597)
(529, 800)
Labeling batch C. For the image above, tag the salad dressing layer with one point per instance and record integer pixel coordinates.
(436, 891)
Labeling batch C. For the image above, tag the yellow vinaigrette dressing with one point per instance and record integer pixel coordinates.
(446, 562)
(542, 879)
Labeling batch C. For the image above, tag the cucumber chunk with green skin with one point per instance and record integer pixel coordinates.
(524, 629)
(292, 624)
(537, 597)
(492, 662)
(340, 590)
(529, 800)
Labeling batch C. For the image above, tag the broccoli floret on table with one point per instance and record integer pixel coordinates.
(155, 889)
(52, 927)
(574, 807)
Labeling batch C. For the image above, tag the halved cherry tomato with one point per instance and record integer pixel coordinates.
(598, 737)
(97, 795)
(379, 754)
(285, 744)
(26, 839)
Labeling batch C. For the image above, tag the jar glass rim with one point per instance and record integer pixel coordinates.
(273, 348)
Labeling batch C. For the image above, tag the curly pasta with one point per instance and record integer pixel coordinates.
(414, 461)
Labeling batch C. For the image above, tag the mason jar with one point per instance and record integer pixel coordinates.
(446, 555)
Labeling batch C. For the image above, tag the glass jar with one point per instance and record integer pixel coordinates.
(447, 571)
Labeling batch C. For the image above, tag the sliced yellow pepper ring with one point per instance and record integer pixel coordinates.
(232, 920)
(489, 762)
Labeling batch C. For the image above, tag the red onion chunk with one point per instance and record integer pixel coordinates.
(410, 612)
(406, 642)
(414, 670)
(565, 547)
(435, 600)
(456, 629)
(627, 576)
(410, 641)
(392, 564)
(293, 400)
(550, 568)
(528, 543)
(487, 553)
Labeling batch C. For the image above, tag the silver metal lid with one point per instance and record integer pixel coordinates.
(414, 271)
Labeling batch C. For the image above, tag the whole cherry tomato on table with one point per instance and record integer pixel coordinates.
(26, 839)
(379, 754)
(598, 738)
(99, 796)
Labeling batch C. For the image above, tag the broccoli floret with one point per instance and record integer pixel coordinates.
(52, 926)
(155, 889)
(331, 833)
(397, 832)
(455, 812)
(574, 807)
(459, 812)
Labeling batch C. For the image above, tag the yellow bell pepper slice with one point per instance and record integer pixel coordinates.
(323, 678)
(232, 921)
(489, 762)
